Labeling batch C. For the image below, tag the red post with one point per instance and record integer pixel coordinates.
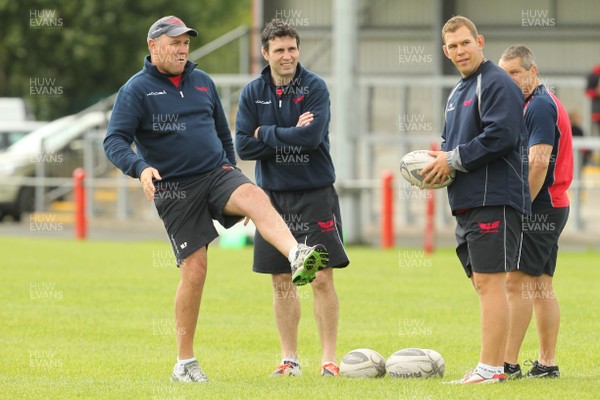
(79, 197)
(430, 216)
(430, 223)
(387, 210)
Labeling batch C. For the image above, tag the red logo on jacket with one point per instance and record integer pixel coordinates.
(298, 99)
(202, 88)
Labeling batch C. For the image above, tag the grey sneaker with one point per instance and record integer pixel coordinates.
(288, 368)
(191, 373)
(309, 260)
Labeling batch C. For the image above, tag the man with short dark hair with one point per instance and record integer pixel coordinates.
(483, 141)
(283, 124)
(550, 174)
(186, 164)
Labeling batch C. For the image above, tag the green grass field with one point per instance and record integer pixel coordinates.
(94, 320)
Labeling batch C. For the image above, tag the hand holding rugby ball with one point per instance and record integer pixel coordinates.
(411, 166)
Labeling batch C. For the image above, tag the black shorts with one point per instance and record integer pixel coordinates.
(541, 231)
(489, 239)
(312, 216)
(188, 211)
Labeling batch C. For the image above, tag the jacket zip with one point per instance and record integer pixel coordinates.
(279, 92)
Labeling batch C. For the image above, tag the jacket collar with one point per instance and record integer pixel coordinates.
(266, 75)
(485, 63)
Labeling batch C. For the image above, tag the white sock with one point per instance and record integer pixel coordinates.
(286, 360)
(292, 255)
(488, 371)
(181, 363)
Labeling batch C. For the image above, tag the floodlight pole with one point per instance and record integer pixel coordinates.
(345, 110)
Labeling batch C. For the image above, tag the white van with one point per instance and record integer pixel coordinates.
(57, 145)
(12, 109)
(14, 124)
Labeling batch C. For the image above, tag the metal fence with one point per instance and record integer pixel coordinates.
(397, 115)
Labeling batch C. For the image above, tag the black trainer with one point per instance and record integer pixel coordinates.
(542, 371)
(512, 371)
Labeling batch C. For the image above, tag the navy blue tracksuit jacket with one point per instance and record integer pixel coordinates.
(181, 131)
(287, 157)
(484, 119)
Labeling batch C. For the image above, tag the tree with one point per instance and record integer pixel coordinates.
(65, 55)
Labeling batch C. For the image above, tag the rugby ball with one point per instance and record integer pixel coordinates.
(411, 166)
(362, 363)
(415, 363)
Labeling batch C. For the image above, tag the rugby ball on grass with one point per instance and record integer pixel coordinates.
(363, 363)
(415, 363)
(411, 166)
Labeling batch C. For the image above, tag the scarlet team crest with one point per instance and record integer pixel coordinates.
(326, 226)
(489, 227)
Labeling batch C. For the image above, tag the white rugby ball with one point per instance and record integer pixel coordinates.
(412, 164)
(415, 363)
(362, 363)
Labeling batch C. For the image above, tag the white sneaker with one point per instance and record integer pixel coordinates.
(474, 377)
(289, 368)
(191, 372)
